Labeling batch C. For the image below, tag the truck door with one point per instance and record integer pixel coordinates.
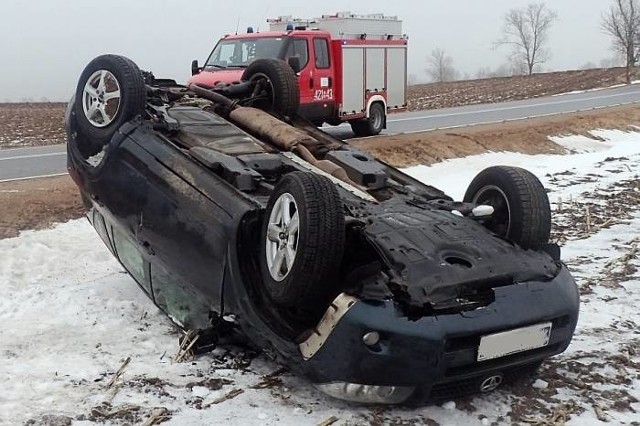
(299, 47)
(316, 78)
(323, 79)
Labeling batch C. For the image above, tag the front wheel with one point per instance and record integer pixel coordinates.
(521, 205)
(302, 241)
(276, 85)
(110, 92)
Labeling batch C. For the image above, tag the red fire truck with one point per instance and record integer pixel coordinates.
(350, 68)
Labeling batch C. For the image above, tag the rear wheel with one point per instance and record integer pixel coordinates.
(302, 241)
(372, 125)
(110, 92)
(521, 205)
(276, 84)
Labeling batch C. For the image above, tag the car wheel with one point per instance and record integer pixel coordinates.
(372, 125)
(110, 92)
(302, 241)
(521, 205)
(276, 81)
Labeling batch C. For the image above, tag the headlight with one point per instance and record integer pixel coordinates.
(367, 393)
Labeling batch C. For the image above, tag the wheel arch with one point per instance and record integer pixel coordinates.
(372, 100)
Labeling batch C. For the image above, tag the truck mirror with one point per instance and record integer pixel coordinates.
(294, 63)
(195, 68)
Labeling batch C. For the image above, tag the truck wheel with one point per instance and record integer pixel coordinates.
(277, 82)
(110, 92)
(522, 213)
(302, 241)
(373, 125)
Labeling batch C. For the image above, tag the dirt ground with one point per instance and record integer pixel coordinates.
(490, 90)
(34, 124)
(36, 204)
(526, 136)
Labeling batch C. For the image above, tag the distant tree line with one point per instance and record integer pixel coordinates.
(525, 33)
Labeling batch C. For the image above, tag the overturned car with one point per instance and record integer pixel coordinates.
(236, 217)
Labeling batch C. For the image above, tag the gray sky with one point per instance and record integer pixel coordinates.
(45, 44)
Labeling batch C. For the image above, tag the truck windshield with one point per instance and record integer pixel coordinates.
(241, 52)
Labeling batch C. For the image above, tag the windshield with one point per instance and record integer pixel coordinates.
(240, 52)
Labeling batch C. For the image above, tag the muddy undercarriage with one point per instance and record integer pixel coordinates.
(236, 216)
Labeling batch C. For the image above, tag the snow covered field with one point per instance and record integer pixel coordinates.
(71, 317)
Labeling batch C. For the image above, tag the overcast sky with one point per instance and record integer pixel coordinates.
(45, 44)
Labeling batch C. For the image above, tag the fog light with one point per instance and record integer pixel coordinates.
(367, 393)
(371, 338)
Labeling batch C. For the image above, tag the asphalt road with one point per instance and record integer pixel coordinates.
(25, 163)
(29, 163)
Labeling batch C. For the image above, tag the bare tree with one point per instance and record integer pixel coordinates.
(611, 62)
(526, 31)
(504, 70)
(440, 67)
(622, 23)
(588, 66)
(483, 72)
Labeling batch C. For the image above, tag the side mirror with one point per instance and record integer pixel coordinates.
(195, 68)
(294, 63)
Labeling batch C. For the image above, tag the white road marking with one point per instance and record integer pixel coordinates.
(20, 157)
(33, 177)
(60, 145)
(453, 114)
(507, 120)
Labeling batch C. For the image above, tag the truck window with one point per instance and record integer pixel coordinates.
(225, 53)
(321, 49)
(241, 52)
(299, 47)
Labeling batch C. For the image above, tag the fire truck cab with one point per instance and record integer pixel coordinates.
(350, 68)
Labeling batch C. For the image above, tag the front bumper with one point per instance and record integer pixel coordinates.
(436, 356)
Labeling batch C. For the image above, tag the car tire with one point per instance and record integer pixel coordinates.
(372, 125)
(521, 205)
(110, 92)
(282, 84)
(302, 277)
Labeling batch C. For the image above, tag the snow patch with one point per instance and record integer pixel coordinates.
(71, 317)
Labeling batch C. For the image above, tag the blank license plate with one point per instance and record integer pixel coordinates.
(513, 341)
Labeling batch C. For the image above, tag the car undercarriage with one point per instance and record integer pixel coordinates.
(238, 217)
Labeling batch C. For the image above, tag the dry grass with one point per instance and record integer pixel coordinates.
(526, 136)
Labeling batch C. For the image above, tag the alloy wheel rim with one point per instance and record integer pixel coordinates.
(283, 231)
(101, 98)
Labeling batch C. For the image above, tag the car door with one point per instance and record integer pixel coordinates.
(174, 227)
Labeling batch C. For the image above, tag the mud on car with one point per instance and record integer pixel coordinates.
(238, 218)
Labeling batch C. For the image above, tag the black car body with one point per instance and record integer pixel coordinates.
(420, 301)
